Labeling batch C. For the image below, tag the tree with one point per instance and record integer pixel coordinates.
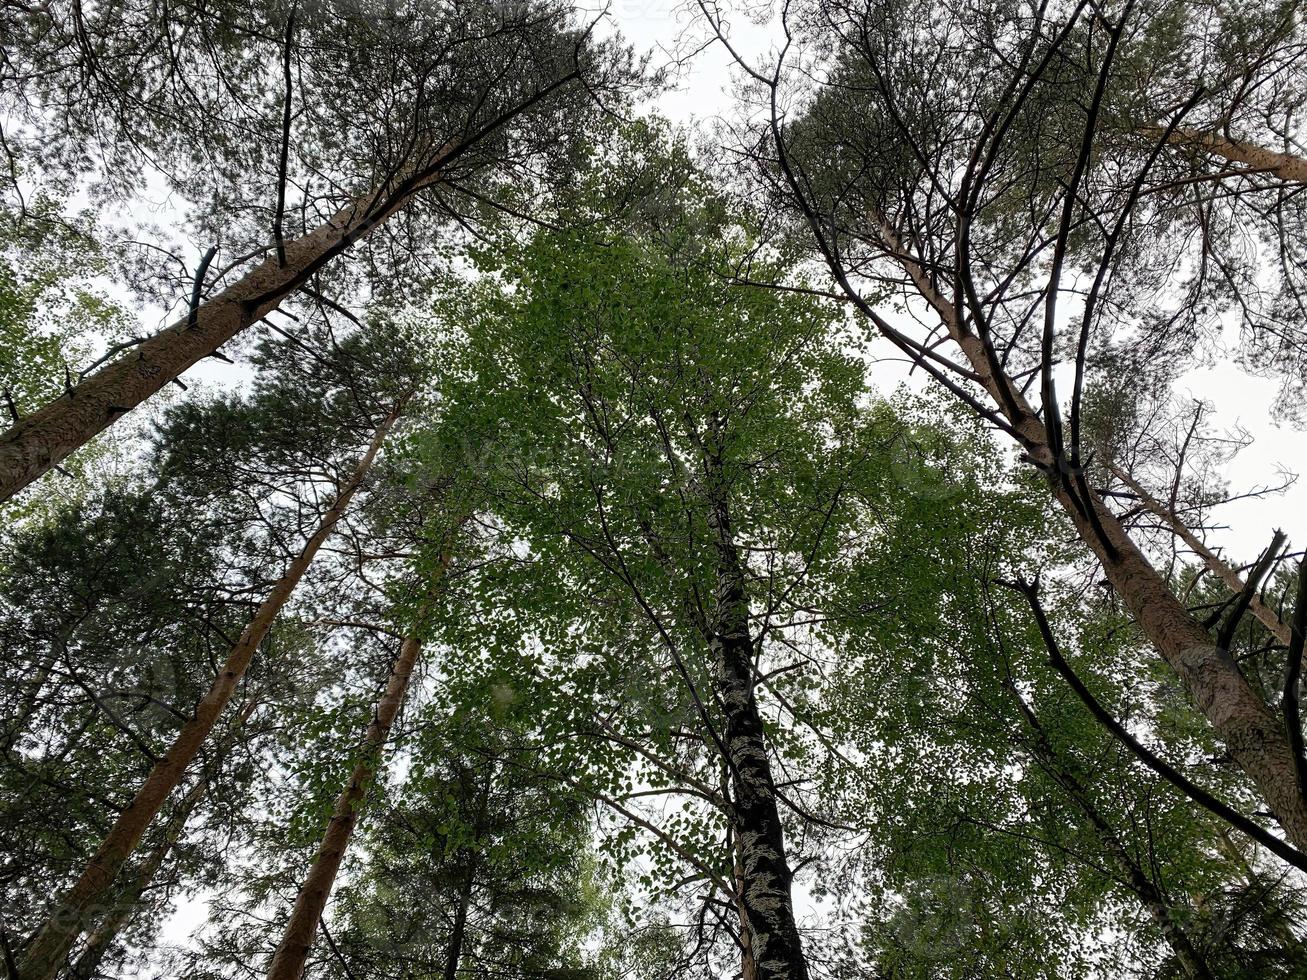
(482, 95)
(937, 185)
(44, 953)
(479, 864)
(655, 641)
(688, 454)
(113, 611)
(288, 962)
(1007, 831)
(52, 316)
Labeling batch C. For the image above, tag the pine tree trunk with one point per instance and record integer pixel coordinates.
(81, 904)
(774, 941)
(311, 902)
(1286, 166)
(35, 444)
(102, 937)
(1254, 737)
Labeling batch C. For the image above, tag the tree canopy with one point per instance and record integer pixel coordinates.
(618, 549)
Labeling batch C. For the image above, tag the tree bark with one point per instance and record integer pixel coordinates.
(1254, 737)
(1286, 166)
(35, 444)
(454, 954)
(748, 969)
(764, 872)
(311, 902)
(47, 951)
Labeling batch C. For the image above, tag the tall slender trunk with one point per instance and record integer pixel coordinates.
(454, 955)
(1251, 733)
(311, 902)
(458, 935)
(1142, 884)
(1150, 896)
(48, 949)
(765, 875)
(38, 442)
(101, 938)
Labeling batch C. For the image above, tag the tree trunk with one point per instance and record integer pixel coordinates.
(1286, 166)
(765, 875)
(459, 932)
(748, 969)
(311, 902)
(1251, 733)
(79, 906)
(458, 935)
(38, 442)
(102, 937)
(1159, 909)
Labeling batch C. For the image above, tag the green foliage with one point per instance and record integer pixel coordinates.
(477, 826)
(52, 315)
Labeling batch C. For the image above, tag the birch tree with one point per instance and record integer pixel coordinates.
(682, 449)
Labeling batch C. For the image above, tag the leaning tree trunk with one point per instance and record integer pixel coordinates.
(1133, 874)
(288, 961)
(311, 902)
(764, 872)
(1251, 733)
(1144, 888)
(1287, 166)
(101, 938)
(40, 441)
(80, 905)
